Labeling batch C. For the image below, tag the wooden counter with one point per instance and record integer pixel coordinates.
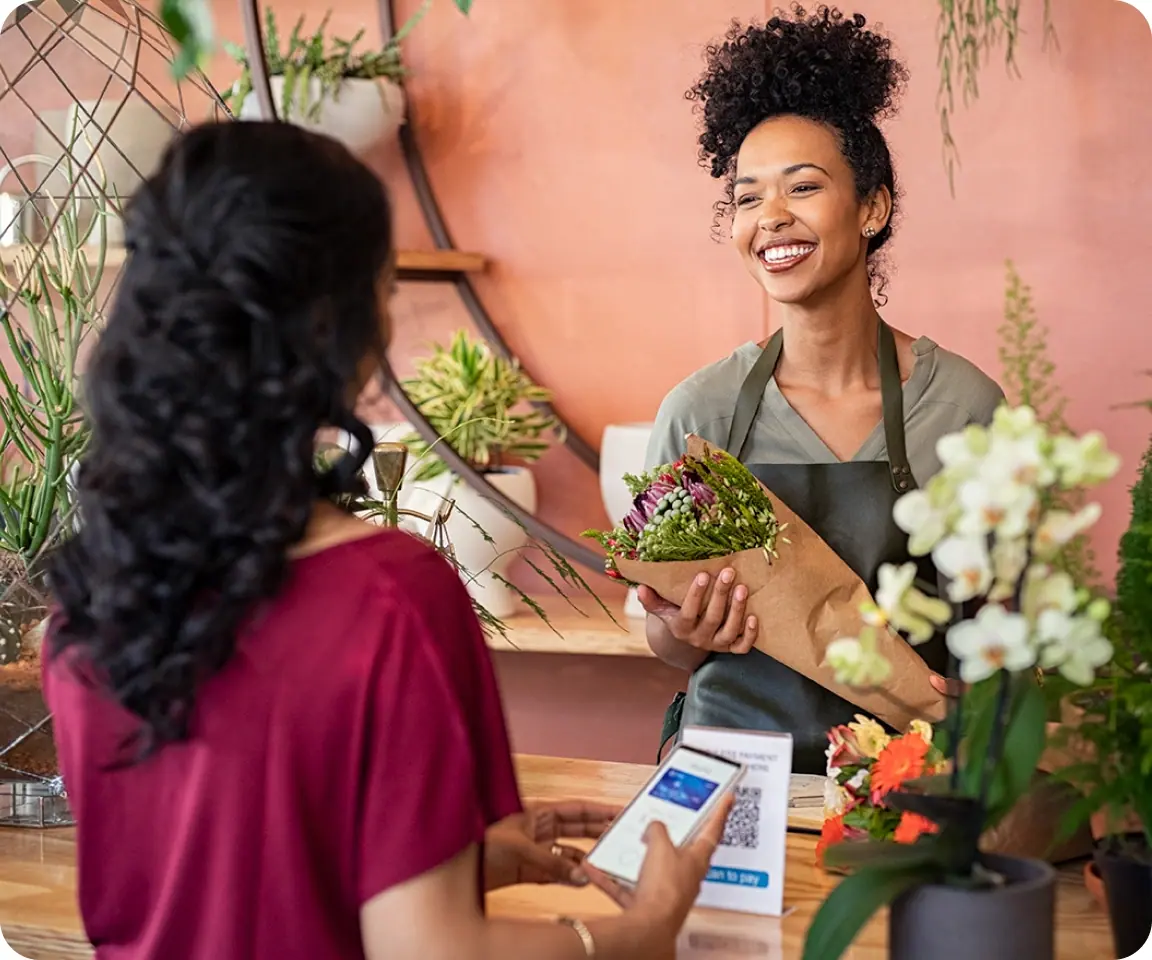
(39, 920)
(586, 630)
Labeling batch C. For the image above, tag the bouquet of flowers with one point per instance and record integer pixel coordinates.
(707, 512)
(865, 764)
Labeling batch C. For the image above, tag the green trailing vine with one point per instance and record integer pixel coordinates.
(1029, 380)
(967, 32)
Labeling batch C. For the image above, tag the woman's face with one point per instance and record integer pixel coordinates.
(798, 223)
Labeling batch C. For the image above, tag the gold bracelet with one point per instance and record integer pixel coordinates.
(582, 932)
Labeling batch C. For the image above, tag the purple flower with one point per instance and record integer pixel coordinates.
(702, 494)
(644, 506)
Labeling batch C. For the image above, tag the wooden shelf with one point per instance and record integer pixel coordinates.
(410, 264)
(592, 635)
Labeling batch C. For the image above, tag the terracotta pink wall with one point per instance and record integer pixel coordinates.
(559, 143)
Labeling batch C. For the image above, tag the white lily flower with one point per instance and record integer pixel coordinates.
(1072, 644)
(923, 521)
(994, 640)
(965, 562)
(1009, 558)
(1059, 527)
(1084, 461)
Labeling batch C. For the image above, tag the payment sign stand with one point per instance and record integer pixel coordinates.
(747, 873)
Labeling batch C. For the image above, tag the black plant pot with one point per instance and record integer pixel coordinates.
(1128, 887)
(1013, 922)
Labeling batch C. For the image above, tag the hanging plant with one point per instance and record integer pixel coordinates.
(967, 32)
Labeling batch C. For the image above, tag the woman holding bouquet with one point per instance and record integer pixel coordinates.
(837, 413)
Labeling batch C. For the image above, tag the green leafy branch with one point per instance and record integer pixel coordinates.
(967, 31)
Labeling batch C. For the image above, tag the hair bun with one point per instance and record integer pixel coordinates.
(825, 66)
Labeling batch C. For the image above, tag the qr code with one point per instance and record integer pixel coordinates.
(743, 827)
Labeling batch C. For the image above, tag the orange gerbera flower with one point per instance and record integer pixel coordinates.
(902, 760)
(830, 833)
(912, 826)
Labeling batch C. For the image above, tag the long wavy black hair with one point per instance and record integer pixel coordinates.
(248, 305)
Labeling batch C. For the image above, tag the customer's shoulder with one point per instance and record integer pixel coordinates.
(957, 381)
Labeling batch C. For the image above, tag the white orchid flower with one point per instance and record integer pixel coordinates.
(1084, 461)
(1047, 589)
(1060, 527)
(856, 662)
(966, 564)
(995, 506)
(963, 451)
(1009, 559)
(904, 606)
(1073, 644)
(923, 521)
(994, 640)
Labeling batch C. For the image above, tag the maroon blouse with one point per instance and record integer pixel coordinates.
(355, 741)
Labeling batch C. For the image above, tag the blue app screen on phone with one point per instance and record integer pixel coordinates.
(683, 789)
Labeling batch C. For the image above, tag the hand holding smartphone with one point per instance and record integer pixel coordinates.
(681, 794)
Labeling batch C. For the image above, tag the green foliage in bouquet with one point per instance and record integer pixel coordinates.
(479, 403)
(1029, 381)
(693, 509)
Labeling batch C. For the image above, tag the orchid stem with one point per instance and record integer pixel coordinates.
(957, 726)
(996, 740)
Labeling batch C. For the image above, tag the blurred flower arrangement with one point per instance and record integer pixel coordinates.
(865, 764)
(988, 521)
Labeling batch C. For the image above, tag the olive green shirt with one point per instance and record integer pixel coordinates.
(943, 394)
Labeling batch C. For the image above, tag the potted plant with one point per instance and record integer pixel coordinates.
(1108, 738)
(51, 305)
(480, 404)
(328, 86)
(986, 520)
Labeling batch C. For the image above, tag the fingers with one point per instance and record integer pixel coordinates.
(579, 819)
(694, 600)
(949, 688)
(553, 863)
(622, 896)
(655, 604)
(747, 640)
(717, 610)
(730, 633)
(708, 838)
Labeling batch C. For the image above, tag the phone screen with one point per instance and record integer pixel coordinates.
(680, 795)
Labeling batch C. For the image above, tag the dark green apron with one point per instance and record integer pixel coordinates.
(849, 505)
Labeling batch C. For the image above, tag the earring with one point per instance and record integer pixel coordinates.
(869, 232)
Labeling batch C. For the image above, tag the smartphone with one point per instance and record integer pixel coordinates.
(682, 792)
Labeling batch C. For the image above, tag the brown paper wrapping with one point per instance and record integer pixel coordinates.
(805, 599)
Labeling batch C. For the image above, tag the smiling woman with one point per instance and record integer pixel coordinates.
(837, 414)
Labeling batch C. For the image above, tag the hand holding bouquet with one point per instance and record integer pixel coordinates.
(707, 512)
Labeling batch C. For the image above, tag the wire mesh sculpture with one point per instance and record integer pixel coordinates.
(87, 105)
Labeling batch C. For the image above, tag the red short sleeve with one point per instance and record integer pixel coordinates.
(437, 768)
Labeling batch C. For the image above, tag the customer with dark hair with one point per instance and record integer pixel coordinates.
(279, 726)
(837, 413)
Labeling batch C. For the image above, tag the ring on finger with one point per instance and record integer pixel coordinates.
(557, 850)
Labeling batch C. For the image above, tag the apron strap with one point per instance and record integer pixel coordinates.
(752, 390)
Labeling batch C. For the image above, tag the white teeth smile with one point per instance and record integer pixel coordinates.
(784, 254)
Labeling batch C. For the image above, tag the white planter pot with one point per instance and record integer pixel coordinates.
(478, 557)
(622, 450)
(360, 114)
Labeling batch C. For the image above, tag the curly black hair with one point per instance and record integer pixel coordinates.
(246, 308)
(826, 67)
